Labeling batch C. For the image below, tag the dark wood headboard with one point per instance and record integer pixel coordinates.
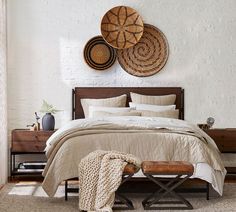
(101, 92)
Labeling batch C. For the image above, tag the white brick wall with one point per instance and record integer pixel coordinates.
(3, 94)
(45, 54)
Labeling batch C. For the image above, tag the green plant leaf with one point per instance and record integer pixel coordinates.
(48, 108)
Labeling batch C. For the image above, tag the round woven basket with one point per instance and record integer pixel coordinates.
(148, 56)
(122, 27)
(98, 54)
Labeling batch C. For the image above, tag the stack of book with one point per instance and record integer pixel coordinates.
(31, 166)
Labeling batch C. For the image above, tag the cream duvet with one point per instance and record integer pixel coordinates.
(146, 137)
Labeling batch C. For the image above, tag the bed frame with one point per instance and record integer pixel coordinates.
(100, 92)
(138, 185)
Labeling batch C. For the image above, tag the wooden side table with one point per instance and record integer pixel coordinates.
(225, 139)
(27, 142)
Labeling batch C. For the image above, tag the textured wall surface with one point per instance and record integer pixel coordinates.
(3, 94)
(45, 54)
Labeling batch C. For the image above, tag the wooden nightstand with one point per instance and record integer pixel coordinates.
(27, 142)
(225, 139)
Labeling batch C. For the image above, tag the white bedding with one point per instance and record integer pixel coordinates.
(147, 138)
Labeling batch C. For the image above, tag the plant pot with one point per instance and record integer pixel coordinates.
(48, 122)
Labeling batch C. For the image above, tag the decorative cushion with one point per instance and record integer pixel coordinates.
(105, 114)
(174, 114)
(93, 109)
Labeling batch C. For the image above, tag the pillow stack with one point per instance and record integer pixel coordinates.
(141, 105)
(155, 106)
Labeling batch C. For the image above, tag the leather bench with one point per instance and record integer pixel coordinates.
(176, 172)
(121, 201)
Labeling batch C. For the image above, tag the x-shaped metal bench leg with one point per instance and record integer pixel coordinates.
(151, 196)
(122, 202)
(168, 188)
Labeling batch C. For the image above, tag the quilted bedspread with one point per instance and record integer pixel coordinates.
(146, 137)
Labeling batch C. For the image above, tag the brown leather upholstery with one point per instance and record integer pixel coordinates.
(167, 167)
(130, 169)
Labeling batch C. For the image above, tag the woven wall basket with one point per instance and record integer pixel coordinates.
(148, 56)
(122, 27)
(98, 54)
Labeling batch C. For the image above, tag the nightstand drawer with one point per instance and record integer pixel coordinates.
(30, 136)
(26, 146)
(29, 141)
(224, 139)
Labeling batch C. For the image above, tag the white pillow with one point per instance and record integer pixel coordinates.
(97, 114)
(153, 100)
(156, 108)
(119, 101)
(93, 109)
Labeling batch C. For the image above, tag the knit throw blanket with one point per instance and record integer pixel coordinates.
(100, 174)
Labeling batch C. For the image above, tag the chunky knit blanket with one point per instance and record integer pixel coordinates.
(100, 174)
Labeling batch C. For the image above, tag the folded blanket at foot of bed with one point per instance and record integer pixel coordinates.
(100, 176)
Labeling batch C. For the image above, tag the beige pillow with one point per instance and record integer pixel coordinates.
(153, 100)
(174, 114)
(97, 114)
(93, 109)
(119, 101)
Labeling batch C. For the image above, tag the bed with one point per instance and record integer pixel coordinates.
(74, 139)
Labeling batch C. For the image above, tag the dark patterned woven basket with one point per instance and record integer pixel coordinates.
(148, 56)
(98, 54)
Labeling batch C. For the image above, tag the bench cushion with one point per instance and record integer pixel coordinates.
(130, 169)
(167, 167)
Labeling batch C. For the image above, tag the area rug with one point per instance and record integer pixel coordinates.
(30, 197)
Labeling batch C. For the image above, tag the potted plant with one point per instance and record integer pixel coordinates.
(48, 120)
